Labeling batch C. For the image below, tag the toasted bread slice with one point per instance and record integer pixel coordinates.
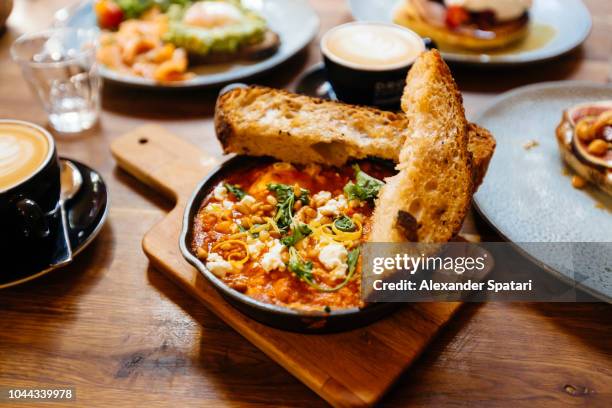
(261, 121)
(430, 196)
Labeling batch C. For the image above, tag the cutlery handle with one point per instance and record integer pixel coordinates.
(161, 160)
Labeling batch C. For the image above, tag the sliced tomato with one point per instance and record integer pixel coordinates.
(108, 13)
(456, 16)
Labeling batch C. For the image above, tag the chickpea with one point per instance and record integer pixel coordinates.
(297, 190)
(224, 227)
(325, 220)
(310, 212)
(584, 130)
(297, 205)
(264, 235)
(243, 208)
(578, 182)
(202, 253)
(327, 211)
(598, 147)
(271, 200)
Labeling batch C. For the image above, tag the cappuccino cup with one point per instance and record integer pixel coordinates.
(29, 193)
(367, 62)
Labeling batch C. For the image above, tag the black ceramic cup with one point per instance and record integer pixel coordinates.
(372, 84)
(30, 210)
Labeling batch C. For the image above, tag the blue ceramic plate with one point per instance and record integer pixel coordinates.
(527, 194)
(557, 27)
(293, 20)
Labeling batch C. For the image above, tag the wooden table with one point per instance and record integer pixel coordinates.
(124, 335)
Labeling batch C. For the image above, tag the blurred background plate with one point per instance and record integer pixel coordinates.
(527, 194)
(294, 20)
(557, 27)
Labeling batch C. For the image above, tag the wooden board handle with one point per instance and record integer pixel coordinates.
(162, 160)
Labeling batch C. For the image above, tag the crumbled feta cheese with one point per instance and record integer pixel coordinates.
(334, 256)
(255, 247)
(220, 192)
(228, 205)
(217, 265)
(272, 259)
(213, 207)
(321, 196)
(248, 200)
(333, 207)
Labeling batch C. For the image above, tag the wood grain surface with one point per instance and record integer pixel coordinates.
(124, 335)
(343, 368)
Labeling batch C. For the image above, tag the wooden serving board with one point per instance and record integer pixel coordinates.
(350, 369)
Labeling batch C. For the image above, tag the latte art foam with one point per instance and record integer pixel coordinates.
(22, 151)
(373, 46)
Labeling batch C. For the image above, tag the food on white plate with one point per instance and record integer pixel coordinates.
(161, 39)
(469, 24)
(585, 141)
(291, 234)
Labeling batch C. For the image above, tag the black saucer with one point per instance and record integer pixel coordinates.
(313, 82)
(85, 216)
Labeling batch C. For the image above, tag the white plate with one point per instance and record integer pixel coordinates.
(527, 195)
(294, 20)
(569, 19)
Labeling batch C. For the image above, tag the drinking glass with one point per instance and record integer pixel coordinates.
(60, 67)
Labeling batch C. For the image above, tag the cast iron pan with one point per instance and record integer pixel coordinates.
(273, 315)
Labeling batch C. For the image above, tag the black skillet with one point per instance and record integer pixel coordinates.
(273, 315)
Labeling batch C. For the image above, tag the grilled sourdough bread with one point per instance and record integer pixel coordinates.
(428, 199)
(260, 121)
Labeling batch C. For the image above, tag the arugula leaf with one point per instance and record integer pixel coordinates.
(365, 187)
(301, 268)
(235, 190)
(286, 198)
(300, 231)
(345, 224)
(352, 259)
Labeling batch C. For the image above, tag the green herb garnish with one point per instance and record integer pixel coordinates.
(286, 200)
(303, 269)
(235, 190)
(352, 259)
(365, 187)
(300, 231)
(345, 224)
